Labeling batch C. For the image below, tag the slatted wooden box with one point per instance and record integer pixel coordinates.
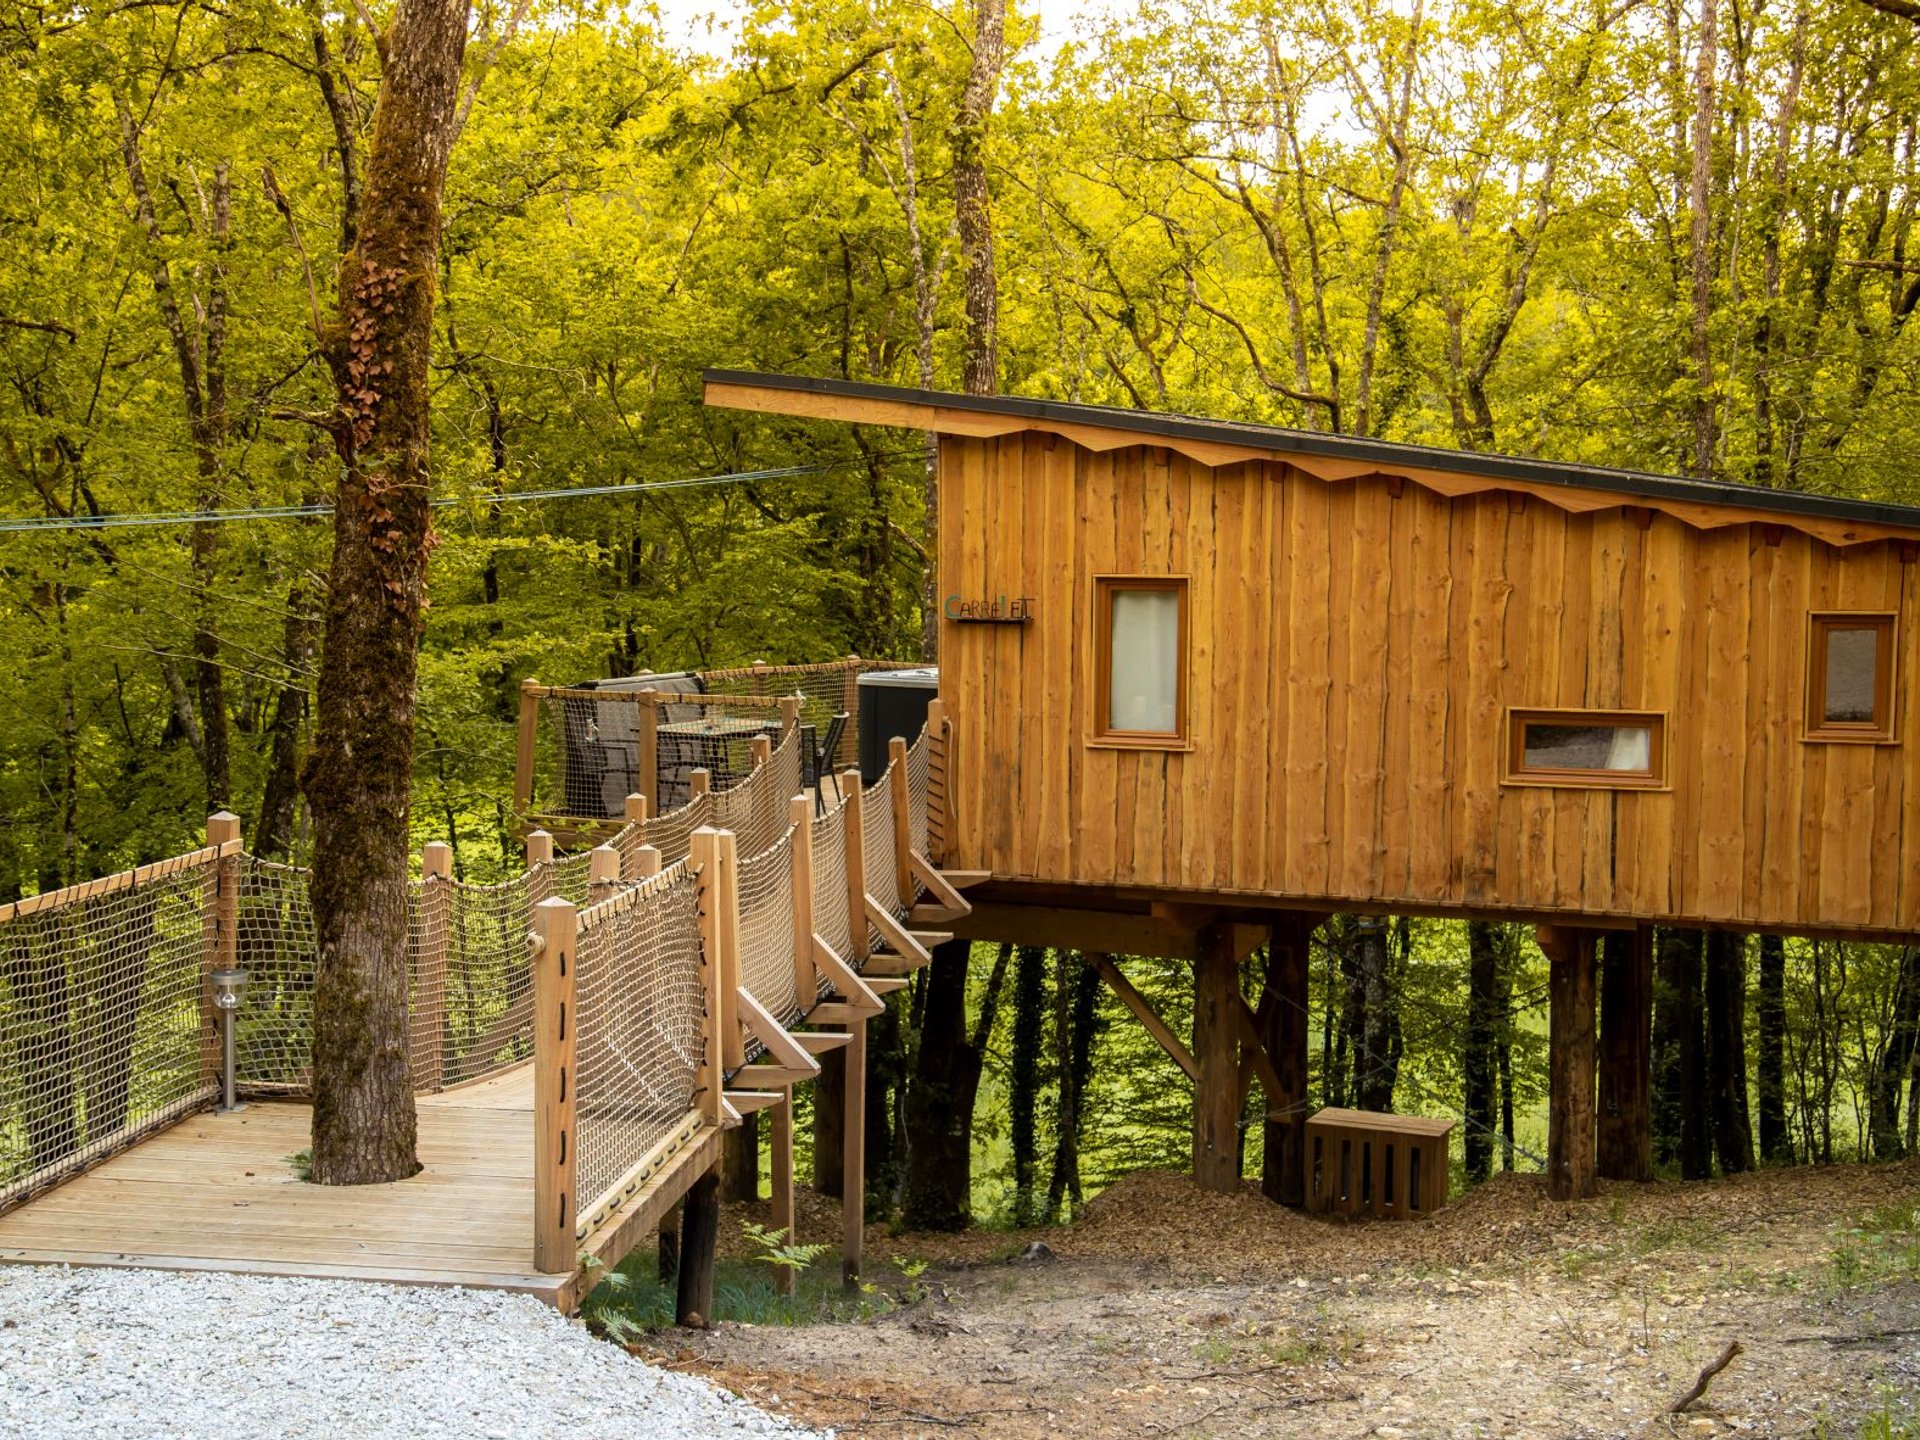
(1361, 1162)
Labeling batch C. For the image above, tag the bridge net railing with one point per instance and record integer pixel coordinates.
(766, 928)
(105, 1022)
(640, 1003)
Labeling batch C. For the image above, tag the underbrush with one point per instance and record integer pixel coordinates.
(633, 1298)
(1883, 1244)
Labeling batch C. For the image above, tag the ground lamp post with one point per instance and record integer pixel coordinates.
(228, 988)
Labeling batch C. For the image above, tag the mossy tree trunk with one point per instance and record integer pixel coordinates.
(359, 774)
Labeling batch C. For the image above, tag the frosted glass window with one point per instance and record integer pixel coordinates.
(1853, 676)
(1606, 749)
(1627, 748)
(1144, 664)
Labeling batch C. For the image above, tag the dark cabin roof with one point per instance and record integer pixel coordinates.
(900, 405)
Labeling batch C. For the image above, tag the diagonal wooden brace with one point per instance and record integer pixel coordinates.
(935, 884)
(781, 1047)
(846, 981)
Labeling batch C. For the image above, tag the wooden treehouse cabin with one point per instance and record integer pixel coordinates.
(1211, 681)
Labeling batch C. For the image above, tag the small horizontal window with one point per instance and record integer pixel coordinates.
(1609, 749)
(1850, 678)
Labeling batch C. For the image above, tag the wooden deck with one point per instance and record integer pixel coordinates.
(216, 1192)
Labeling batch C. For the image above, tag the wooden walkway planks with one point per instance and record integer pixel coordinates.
(216, 1192)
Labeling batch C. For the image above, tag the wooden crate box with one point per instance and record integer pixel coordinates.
(1361, 1162)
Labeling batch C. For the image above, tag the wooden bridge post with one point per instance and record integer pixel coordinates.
(220, 949)
(699, 1247)
(699, 782)
(525, 738)
(649, 744)
(430, 978)
(634, 813)
(1625, 1142)
(1216, 1095)
(555, 925)
(539, 865)
(733, 1043)
(853, 1090)
(900, 796)
(1283, 1175)
(603, 873)
(789, 718)
(806, 984)
(1570, 1055)
(780, 1144)
(704, 851)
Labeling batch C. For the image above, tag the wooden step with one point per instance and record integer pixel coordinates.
(748, 1101)
(886, 963)
(771, 1077)
(818, 1042)
(932, 914)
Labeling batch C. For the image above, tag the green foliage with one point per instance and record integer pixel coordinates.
(775, 1249)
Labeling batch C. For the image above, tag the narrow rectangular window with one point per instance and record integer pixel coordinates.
(1140, 670)
(1850, 678)
(1604, 749)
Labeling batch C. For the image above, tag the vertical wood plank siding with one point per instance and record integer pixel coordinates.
(1353, 657)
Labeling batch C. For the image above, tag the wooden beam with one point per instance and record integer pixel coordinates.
(899, 797)
(752, 1102)
(1217, 1014)
(699, 1250)
(1570, 1053)
(525, 735)
(772, 1035)
(1113, 932)
(806, 984)
(554, 1194)
(780, 1147)
(703, 848)
(884, 964)
(904, 941)
(1143, 1012)
(937, 885)
(846, 981)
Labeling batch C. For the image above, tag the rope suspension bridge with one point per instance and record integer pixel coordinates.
(581, 1034)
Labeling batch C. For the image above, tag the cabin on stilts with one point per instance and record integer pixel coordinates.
(1209, 682)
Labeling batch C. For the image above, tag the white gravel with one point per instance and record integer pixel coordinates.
(137, 1353)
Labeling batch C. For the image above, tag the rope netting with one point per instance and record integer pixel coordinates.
(824, 691)
(766, 928)
(917, 790)
(567, 877)
(487, 983)
(639, 1037)
(876, 847)
(756, 808)
(273, 1042)
(832, 921)
(671, 834)
(105, 1027)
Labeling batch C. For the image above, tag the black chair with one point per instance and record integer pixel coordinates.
(817, 756)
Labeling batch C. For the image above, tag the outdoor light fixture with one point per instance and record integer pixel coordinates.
(228, 988)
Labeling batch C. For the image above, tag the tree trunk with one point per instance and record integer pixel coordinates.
(359, 775)
(829, 1122)
(1726, 994)
(939, 1183)
(1625, 1141)
(1700, 199)
(1373, 1065)
(1283, 1174)
(1075, 1020)
(1478, 1061)
(1570, 1055)
(1023, 1081)
(1895, 1061)
(279, 800)
(1770, 1003)
(1681, 1131)
(973, 200)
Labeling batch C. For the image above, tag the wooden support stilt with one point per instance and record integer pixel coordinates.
(1284, 1168)
(1570, 1055)
(782, 1156)
(853, 1158)
(1625, 1120)
(1216, 1031)
(699, 1246)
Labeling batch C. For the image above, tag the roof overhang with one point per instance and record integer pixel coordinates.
(1702, 504)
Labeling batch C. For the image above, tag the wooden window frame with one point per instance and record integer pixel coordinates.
(1658, 760)
(1883, 728)
(1100, 730)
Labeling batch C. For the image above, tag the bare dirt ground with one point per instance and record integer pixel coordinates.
(1168, 1311)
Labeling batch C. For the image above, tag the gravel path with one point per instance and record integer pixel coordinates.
(139, 1353)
